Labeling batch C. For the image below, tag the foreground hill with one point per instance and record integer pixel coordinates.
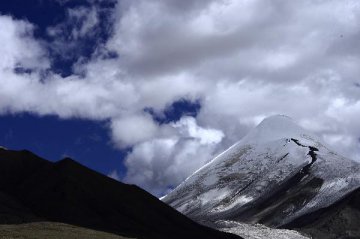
(35, 190)
(52, 230)
(278, 175)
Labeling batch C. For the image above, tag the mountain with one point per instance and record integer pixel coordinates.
(52, 230)
(33, 190)
(279, 175)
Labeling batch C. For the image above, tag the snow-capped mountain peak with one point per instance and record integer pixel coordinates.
(274, 128)
(276, 174)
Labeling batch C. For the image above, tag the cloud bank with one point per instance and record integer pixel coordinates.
(243, 60)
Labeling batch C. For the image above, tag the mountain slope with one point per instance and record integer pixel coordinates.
(338, 221)
(276, 174)
(52, 230)
(33, 189)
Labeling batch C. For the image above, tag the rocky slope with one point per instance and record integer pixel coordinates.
(338, 221)
(278, 175)
(257, 231)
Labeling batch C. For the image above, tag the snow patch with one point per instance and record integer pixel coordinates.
(274, 128)
(257, 231)
(213, 195)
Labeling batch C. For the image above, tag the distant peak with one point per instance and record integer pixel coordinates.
(278, 123)
(273, 128)
(3, 148)
(277, 118)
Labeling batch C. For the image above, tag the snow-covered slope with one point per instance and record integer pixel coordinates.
(258, 231)
(274, 175)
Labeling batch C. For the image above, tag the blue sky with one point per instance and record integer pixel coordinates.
(44, 14)
(53, 138)
(86, 141)
(151, 91)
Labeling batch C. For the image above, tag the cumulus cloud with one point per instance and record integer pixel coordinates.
(162, 163)
(131, 130)
(22, 60)
(19, 49)
(243, 60)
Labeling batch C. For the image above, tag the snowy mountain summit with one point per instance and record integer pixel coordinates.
(278, 175)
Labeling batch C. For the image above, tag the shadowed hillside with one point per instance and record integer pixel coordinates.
(52, 230)
(33, 189)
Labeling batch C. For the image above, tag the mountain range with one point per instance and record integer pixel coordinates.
(279, 181)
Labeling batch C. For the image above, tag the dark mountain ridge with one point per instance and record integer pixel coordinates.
(33, 189)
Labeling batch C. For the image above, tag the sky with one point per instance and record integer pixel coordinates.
(149, 91)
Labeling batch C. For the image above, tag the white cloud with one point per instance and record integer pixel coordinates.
(83, 21)
(131, 130)
(187, 127)
(19, 51)
(114, 175)
(244, 60)
(88, 18)
(162, 163)
(18, 48)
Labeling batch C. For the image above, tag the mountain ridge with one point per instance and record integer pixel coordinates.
(276, 174)
(33, 190)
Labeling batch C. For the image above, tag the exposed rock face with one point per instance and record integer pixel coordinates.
(339, 221)
(276, 175)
